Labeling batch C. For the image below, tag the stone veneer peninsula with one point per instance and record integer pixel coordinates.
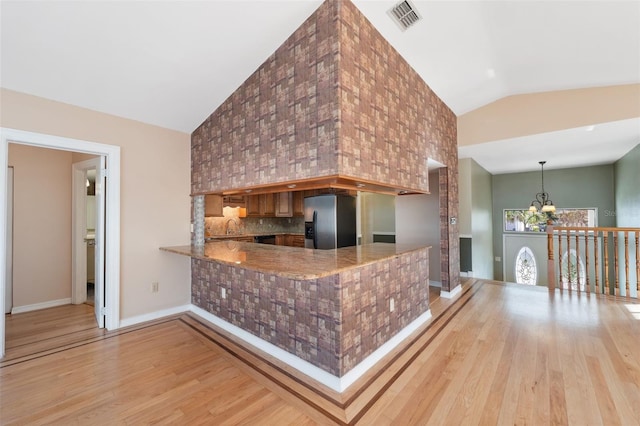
(335, 100)
(327, 307)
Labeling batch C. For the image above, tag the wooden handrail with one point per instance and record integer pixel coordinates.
(595, 228)
(579, 272)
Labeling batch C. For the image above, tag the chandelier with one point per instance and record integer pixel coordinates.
(542, 201)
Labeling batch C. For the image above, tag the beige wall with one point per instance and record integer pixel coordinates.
(155, 204)
(534, 113)
(42, 224)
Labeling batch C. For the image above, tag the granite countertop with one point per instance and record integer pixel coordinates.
(249, 234)
(292, 262)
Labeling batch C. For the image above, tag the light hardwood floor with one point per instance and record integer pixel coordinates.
(497, 354)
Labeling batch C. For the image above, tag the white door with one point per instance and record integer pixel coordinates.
(101, 191)
(8, 298)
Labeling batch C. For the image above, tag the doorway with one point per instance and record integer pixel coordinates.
(84, 218)
(110, 154)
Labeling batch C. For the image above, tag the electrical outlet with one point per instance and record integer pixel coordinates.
(223, 293)
(392, 305)
(155, 286)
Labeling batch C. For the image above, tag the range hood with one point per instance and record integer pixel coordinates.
(234, 201)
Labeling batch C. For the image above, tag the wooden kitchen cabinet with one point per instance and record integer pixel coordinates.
(297, 241)
(253, 206)
(291, 240)
(298, 203)
(234, 200)
(263, 205)
(212, 205)
(284, 204)
(269, 205)
(245, 239)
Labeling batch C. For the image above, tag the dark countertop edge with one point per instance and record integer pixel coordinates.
(192, 251)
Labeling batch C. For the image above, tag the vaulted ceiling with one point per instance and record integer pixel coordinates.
(172, 63)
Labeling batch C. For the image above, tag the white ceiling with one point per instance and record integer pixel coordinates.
(582, 146)
(171, 63)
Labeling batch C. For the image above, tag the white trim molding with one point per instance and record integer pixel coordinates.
(41, 305)
(112, 226)
(451, 294)
(338, 384)
(152, 316)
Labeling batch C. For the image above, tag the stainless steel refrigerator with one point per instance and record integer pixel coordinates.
(329, 221)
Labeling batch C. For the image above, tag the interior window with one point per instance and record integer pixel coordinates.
(516, 220)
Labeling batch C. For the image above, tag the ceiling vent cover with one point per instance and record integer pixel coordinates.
(404, 14)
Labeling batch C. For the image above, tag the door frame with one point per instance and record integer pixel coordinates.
(112, 223)
(79, 221)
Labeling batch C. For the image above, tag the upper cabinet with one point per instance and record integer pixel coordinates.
(263, 205)
(298, 203)
(279, 204)
(268, 204)
(253, 206)
(212, 205)
(284, 205)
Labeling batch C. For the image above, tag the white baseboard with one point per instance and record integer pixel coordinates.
(42, 305)
(451, 294)
(433, 283)
(338, 384)
(151, 316)
(466, 274)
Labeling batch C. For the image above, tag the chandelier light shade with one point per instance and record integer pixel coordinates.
(542, 202)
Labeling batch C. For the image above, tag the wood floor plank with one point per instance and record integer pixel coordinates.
(497, 354)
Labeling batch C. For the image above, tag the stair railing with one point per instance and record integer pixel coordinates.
(600, 260)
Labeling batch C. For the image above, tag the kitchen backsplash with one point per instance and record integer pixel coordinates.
(252, 225)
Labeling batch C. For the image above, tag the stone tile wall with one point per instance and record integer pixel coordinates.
(332, 322)
(391, 123)
(335, 98)
(281, 124)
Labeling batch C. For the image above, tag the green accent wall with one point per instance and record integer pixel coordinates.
(581, 187)
(627, 213)
(475, 219)
(627, 189)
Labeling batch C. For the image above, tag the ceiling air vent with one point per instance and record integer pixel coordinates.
(405, 14)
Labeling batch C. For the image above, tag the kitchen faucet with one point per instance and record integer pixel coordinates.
(226, 225)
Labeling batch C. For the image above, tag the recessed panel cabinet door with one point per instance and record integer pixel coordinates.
(268, 205)
(213, 205)
(284, 204)
(298, 203)
(253, 206)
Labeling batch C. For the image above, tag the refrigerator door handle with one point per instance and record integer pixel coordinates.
(315, 232)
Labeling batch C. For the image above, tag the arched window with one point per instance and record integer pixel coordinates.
(526, 268)
(573, 271)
